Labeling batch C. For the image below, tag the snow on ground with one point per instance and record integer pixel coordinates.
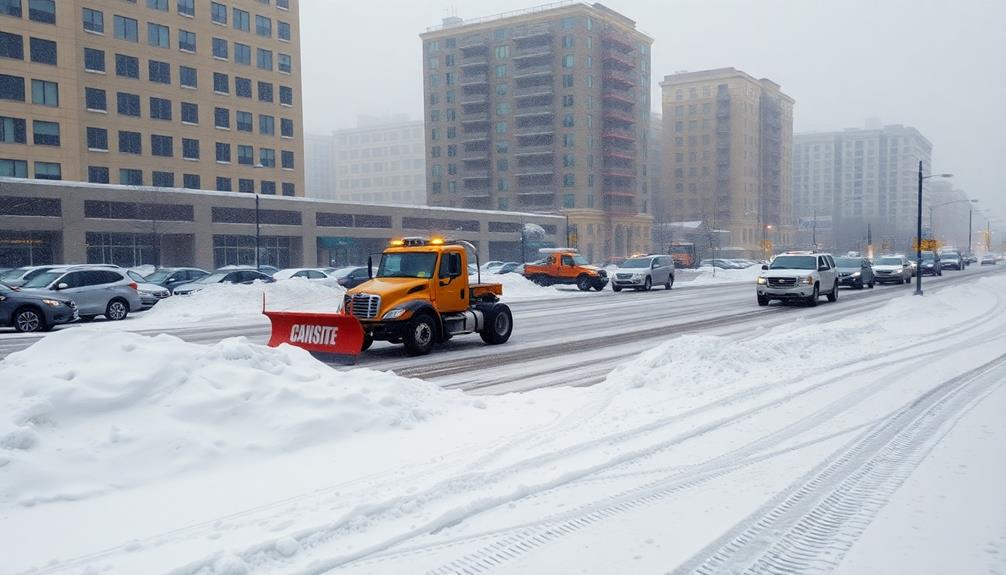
(230, 302)
(516, 287)
(709, 275)
(235, 458)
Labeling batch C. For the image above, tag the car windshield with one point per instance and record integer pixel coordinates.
(848, 262)
(136, 277)
(211, 279)
(158, 276)
(794, 263)
(42, 280)
(407, 265)
(927, 256)
(13, 274)
(636, 263)
(889, 262)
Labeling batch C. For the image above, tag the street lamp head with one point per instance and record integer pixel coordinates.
(946, 175)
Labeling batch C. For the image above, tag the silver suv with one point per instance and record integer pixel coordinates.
(801, 276)
(95, 290)
(644, 272)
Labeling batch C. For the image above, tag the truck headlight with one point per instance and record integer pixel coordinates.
(762, 281)
(394, 313)
(807, 280)
(52, 302)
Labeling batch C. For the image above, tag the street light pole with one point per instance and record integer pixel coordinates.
(814, 240)
(258, 234)
(918, 237)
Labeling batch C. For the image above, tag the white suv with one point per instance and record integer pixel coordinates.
(802, 276)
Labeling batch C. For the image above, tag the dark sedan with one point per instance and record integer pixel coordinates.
(172, 278)
(28, 311)
(855, 272)
(352, 276)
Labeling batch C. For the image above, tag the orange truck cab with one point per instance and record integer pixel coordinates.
(565, 266)
(421, 295)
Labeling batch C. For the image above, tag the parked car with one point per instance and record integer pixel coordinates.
(988, 260)
(18, 276)
(95, 290)
(240, 276)
(931, 264)
(951, 260)
(720, 263)
(318, 275)
(150, 293)
(893, 269)
(799, 276)
(855, 272)
(27, 311)
(508, 267)
(267, 270)
(642, 273)
(491, 265)
(173, 277)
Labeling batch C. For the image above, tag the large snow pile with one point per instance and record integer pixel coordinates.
(710, 275)
(86, 411)
(518, 287)
(238, 301)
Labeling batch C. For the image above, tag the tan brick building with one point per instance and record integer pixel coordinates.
(545, 110)
(171, 93)
(728, 140)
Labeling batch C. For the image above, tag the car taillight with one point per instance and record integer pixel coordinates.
(134, 286)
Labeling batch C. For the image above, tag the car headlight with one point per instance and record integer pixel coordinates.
(761, 281)
(52, 302)
(394, 313)
(857, 274)
(807, 280)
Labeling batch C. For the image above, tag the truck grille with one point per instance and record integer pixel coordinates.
(781, 282)
(365, 306)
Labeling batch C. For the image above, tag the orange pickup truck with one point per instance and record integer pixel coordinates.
(565, 266)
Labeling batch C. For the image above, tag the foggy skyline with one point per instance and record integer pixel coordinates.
(935, 66)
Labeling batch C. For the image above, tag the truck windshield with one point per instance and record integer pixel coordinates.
(407, 265)
(794, 263)
(580, 260)
(636, 263)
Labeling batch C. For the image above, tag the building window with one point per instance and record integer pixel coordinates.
(161, 5)
(163, 179)
(221, 83)
(245, 185)
(97, 139)
(130, 177)
(191, 181)
(285, 95)
(190, 149)
(222, 118)
(220, 48)
(568, 41)
(283, 4)
(218, 12)
(190, 113)
(94, 60)
(567, 101)
(126, 28)
(223, 184)
(160, 108)
(264, 59)
(45, 133)
(128, 104)
(242, 54)
(158, 35)
(267, 157)
(288, 189)
(97, 175)
(568, 61)
(567, 121)
(42, 51)
(44, 93)
(187, 7)
(269, 187)
(286, 158)
(13, 168)
(265, 92)
(243, 121)
(94, 21)
(568, 140)
(569, 200)
(94, 99)
(188, 77)
(285, 63)
(43, 11)
(159, 72)
(223, 152)
(11, 46)
(568, 180)
(246, 155)
(242, 87)
(10, 8)
(127, 66)
(283, 30)
(567, 80)
(241, 20)
(286, 131)
(130, 142)
(266, 125)
(501, 71)
(13, 131)
(48, 170)
(263, 26)
(186, 41)
(500, 127)
(11, 88)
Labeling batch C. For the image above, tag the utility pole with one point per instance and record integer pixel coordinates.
(814, 241)
(258, 234)
(918, 240)
(971, 217)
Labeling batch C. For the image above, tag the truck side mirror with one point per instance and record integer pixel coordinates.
(764, 267)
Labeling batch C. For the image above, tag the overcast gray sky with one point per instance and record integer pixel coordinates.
(937, 65)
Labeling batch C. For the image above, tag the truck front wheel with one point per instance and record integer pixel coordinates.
(583, 283)
(368, 340)
(419, 335)
(499, 325)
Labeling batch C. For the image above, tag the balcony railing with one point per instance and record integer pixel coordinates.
(538, 89)
(539, 70)
(472, 79)
(474, 98)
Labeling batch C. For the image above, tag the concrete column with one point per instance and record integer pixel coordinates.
(74, 225)
(204, 236)
(309, 235)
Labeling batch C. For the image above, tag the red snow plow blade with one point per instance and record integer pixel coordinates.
(330, 337)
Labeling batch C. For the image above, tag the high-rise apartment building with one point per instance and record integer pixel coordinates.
(863, 181)
(380, 161)
(727, 152)
(546, 110)
(173, 93)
